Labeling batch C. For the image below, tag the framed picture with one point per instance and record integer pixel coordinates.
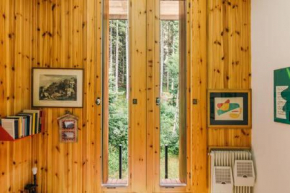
(68, 128)
(282, 95)
(57, 87)
(229, 108)
(68, 136)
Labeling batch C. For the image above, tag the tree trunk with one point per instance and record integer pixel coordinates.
(117, 56)
(127, 60)
(167, 81)
(123, 69)
(111, 49)
(176, 122)
(161, 58)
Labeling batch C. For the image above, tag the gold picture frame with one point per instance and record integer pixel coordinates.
(229, 108)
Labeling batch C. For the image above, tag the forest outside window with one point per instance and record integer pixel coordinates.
(173, 162)
(115, 92)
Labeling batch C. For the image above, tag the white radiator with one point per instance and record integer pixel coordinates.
(227, 158)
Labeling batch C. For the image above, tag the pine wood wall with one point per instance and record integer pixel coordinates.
(67, 33)
(15, 62)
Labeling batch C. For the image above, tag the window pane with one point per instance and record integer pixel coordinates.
(172, 92)
(115, 93)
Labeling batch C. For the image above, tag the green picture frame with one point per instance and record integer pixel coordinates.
(282, 95)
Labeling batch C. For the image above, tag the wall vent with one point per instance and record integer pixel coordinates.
(244, 174)
(223, 180)
(228, 158)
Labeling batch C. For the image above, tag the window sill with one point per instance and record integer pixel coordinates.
(171, 183)
(115, 183)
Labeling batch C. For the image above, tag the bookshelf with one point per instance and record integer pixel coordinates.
(32, 129)
(5, 136)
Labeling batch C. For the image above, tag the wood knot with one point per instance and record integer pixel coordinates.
(53, 6)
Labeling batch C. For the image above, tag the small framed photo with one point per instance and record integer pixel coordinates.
(68, 124)
(229, 109)
(57, 87)
(68, 128)
(68, 136)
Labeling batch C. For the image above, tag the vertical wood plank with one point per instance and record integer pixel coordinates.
(198, 91)
(137, 31)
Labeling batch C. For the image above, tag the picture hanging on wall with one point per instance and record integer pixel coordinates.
(68, 128)
(282, 95)
(229, 108)
(57, 87)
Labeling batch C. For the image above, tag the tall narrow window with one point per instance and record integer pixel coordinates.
(115, 92)
(172, 93)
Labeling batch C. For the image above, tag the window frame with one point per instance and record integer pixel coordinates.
(183, 187)
(105, 103)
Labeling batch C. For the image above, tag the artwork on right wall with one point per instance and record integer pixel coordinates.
(282, 95)
(229, 108)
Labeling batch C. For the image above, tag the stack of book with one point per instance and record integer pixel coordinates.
(26, 123)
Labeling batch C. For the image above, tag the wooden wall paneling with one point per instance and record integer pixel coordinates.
(4, 167)
(49, 144)
(19, 18)
(41, 153)
(75, 150)
(198, 91)
(90, 95)
(247, 28)
(228, 68)
(156, 84)
(138, 88)
(2, 55)
(67, 42)
(15, 157)
(235, 68)
(188, 50)
(85, 174)
(10, 60)
(151, 89)
(68, 34)
(27, 49)
(16, 168)
(4, 146)
(11, 165)
(77, 169)
(98, 93)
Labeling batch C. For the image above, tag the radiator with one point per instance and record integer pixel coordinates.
(227, 158)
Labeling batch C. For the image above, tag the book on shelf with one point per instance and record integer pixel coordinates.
(26, 123)
(9, 125)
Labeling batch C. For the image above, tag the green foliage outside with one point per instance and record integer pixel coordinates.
(118, 103)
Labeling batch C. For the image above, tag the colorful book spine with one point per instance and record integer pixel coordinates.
(26, 123)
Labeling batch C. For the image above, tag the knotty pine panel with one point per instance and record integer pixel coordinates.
(229, 59)
(67, 33)
(15, 62)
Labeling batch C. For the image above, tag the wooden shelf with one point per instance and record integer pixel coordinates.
(5, 136)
